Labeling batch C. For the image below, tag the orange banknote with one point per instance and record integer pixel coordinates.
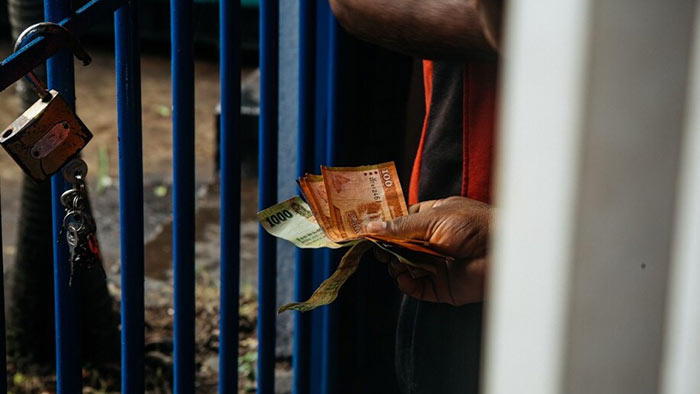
(345, 199)
(360, 195)
(314, 190)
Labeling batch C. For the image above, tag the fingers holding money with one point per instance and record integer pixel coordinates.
(455, 226)
(453, 282)
(369, 209)
(415, 208)
(422, 288)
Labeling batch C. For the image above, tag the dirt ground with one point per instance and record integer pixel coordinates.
(95, 92)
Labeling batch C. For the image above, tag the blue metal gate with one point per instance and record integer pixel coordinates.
(127, 58)
(313, 361)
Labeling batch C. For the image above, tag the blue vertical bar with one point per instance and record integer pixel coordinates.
(329, 333)
(267, 181)
(68, 380)
(302, 270)
(128, 81)
(3, 342)
(182, 59)
(230, 183)
(317, 345)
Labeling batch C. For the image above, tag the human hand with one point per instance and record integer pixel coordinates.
(457, 227)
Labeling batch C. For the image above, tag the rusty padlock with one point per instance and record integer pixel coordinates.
(48, 134)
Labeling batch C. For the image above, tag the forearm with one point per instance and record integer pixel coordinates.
(491, 12)
(431, 29)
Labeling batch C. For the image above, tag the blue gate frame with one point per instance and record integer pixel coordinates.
(127, 63)
(313, 360)
(314, 357)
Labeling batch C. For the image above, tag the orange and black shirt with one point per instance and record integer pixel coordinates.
(438, 346)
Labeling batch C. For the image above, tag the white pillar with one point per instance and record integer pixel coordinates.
(592, 114)
(682, 350)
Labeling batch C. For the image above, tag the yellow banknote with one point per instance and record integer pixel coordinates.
(327, 292)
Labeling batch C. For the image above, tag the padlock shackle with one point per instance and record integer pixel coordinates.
(38, 86)
(50, 28)
(45, 29)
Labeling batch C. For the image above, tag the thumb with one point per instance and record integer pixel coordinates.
(415, 226)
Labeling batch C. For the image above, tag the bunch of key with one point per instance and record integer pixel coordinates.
(78, 224)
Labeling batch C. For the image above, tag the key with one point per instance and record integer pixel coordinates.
(71, 199)
(72, 238)
(79, 225)
(75, 220)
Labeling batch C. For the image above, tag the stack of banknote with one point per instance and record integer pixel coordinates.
(339, 204)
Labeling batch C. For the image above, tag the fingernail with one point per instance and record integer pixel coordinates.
(376, 227)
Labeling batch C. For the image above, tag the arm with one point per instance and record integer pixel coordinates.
(445, 29)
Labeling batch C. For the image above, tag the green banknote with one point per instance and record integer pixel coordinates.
(293, 220)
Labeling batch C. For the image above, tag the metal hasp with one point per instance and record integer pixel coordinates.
(128, 84)
(267, 181)
(230, 193)
(182, 59)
